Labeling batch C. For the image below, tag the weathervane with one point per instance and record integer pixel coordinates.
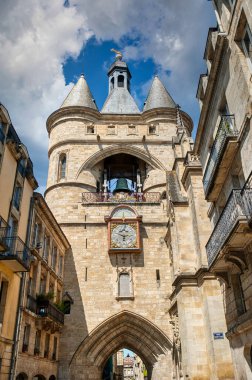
(118, 54)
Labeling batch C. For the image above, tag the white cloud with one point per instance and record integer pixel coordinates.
(36, 37)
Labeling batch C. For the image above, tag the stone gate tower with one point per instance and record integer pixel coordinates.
(126, 190)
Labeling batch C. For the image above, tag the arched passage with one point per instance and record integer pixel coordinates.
(22, 376)
(129, 330)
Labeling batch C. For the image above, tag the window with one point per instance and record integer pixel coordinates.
(62, 166)
(46, 247)
(120, 81)
(55, 345)
(247, 43)
(42, 285)
(3, 298)
(54, 257)
(238, 294)
(47, 345)
(36, 235)
(152, 129)
(112, 84)
(60, 265)
(17, 196)
(26, 338)
(124, 285)
(67, 306)
(37, 342)
(90, 129)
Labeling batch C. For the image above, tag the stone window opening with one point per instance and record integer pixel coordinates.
(120, 81)
(247, 43)
(90, 129)
(62, 166)
(26, 338)
(22, 376)
(152, 129)
(37, 342)
(47, 345)
(238, 293)
(55, 346)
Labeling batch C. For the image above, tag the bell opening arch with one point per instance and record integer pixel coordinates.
(132, 166)
(123, 330)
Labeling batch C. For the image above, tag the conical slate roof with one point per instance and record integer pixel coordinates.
(120, 101)
(158, 96)
(80, 95)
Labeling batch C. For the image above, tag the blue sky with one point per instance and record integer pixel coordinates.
(52, 43)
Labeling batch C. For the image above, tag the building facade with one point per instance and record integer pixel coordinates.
(224, 143)
(44, 303)
(17, 184)
(126, 188)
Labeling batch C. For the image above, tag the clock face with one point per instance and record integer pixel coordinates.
(123, 236)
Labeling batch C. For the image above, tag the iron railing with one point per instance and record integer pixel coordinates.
(4, 229)
(247, 195)
(47, 309)
(119, 198)
(17, 250)
(235, 209)
(225, 131)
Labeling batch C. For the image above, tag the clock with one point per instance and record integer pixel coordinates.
(123, 235)
(123, 230)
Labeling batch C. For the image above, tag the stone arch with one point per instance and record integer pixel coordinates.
(116, 149)
(22, 376)
(125, 329)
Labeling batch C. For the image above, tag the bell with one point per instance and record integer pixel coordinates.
(121, 185)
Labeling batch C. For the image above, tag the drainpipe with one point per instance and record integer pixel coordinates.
(20, 303)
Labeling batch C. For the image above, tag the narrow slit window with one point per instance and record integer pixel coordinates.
(62, 166)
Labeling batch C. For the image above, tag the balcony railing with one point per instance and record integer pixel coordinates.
(4, 228)
(225, 131)
(17, 255)
(121, 198)
(247, 196)
(236, 209)
(44, 308)
(47, 309)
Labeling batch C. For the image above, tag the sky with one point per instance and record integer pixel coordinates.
(46, 45)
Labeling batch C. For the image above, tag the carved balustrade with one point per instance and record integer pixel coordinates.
(152, 197)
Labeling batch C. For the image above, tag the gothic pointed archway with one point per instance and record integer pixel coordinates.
(125, 329)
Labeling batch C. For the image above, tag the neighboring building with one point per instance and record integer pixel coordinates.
(128, 368)
(126, 189)
(43, 304)
(224, 143)
(17, 183)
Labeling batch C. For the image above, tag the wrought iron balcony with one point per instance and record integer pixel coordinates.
(237, 209)
(44, 308)
(17, 255)
(217, 165)
(4, 228)
(48, 310)
(88, 197)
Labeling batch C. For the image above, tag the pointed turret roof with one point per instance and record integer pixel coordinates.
(80, 95)
(158, 96)
(119, 100)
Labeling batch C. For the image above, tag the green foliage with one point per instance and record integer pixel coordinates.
(45, 296)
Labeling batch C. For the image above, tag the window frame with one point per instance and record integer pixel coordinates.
(247, 30)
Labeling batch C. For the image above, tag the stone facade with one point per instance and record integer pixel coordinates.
(169, 316)
(223, 142)
(42, 316)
